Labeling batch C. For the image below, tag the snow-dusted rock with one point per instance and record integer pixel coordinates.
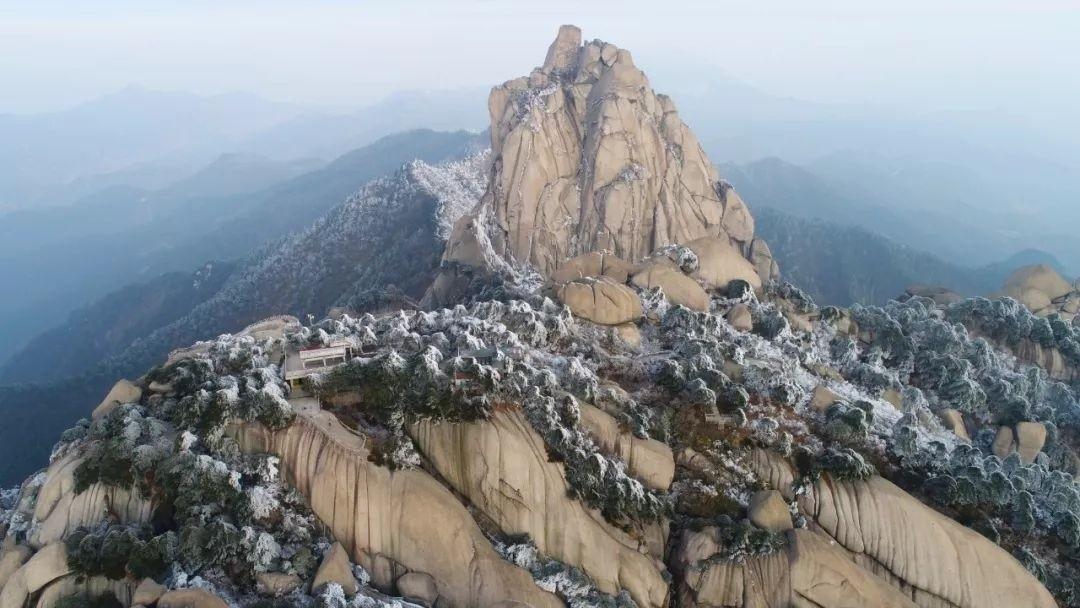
(809, 571)
(390, 521)
(933, 559)
(60, 510)
(502, 466)
(586, 157)
(647, 459)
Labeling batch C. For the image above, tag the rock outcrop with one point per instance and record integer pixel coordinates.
(810, 571)
(418, 587)
(390, 522)
(649, 460)
(941, 296)
(761, 256)
(93, 586)
(502, 466)
(11, 560)
(943, 564)
(1043, 291)
(60, 510)
(588, 158)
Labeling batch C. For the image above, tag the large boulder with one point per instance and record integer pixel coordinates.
(1039, 278)
(86, 586)
(1030, 438)
(1004, 442)
(191, 598)
(601, 300)
(277, 584)
(122, 392)
(768, 511)
(719, 263)
(335, 568)
(1042, 290)
(679, 288)
(586, 157)
(740, 318)
(822, 397)
(593, 264)
(954, 421)
(417, 586)
(761, 257)
(148, 592)
(42, 568)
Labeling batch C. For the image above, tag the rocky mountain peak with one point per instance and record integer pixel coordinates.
(587, 157)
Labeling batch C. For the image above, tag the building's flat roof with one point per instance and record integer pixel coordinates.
(295, 359)
(321, 353)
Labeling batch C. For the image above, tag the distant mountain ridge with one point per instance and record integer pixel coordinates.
(842, 265)
(65, 258)
(377, 246)
(147, 139)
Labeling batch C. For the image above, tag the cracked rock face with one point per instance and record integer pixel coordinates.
(942, 564)
(390, 522)
(587, 158)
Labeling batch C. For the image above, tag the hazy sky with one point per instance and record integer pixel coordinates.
(919, 53)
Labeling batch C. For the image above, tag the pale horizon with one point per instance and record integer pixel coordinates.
(984, 56)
